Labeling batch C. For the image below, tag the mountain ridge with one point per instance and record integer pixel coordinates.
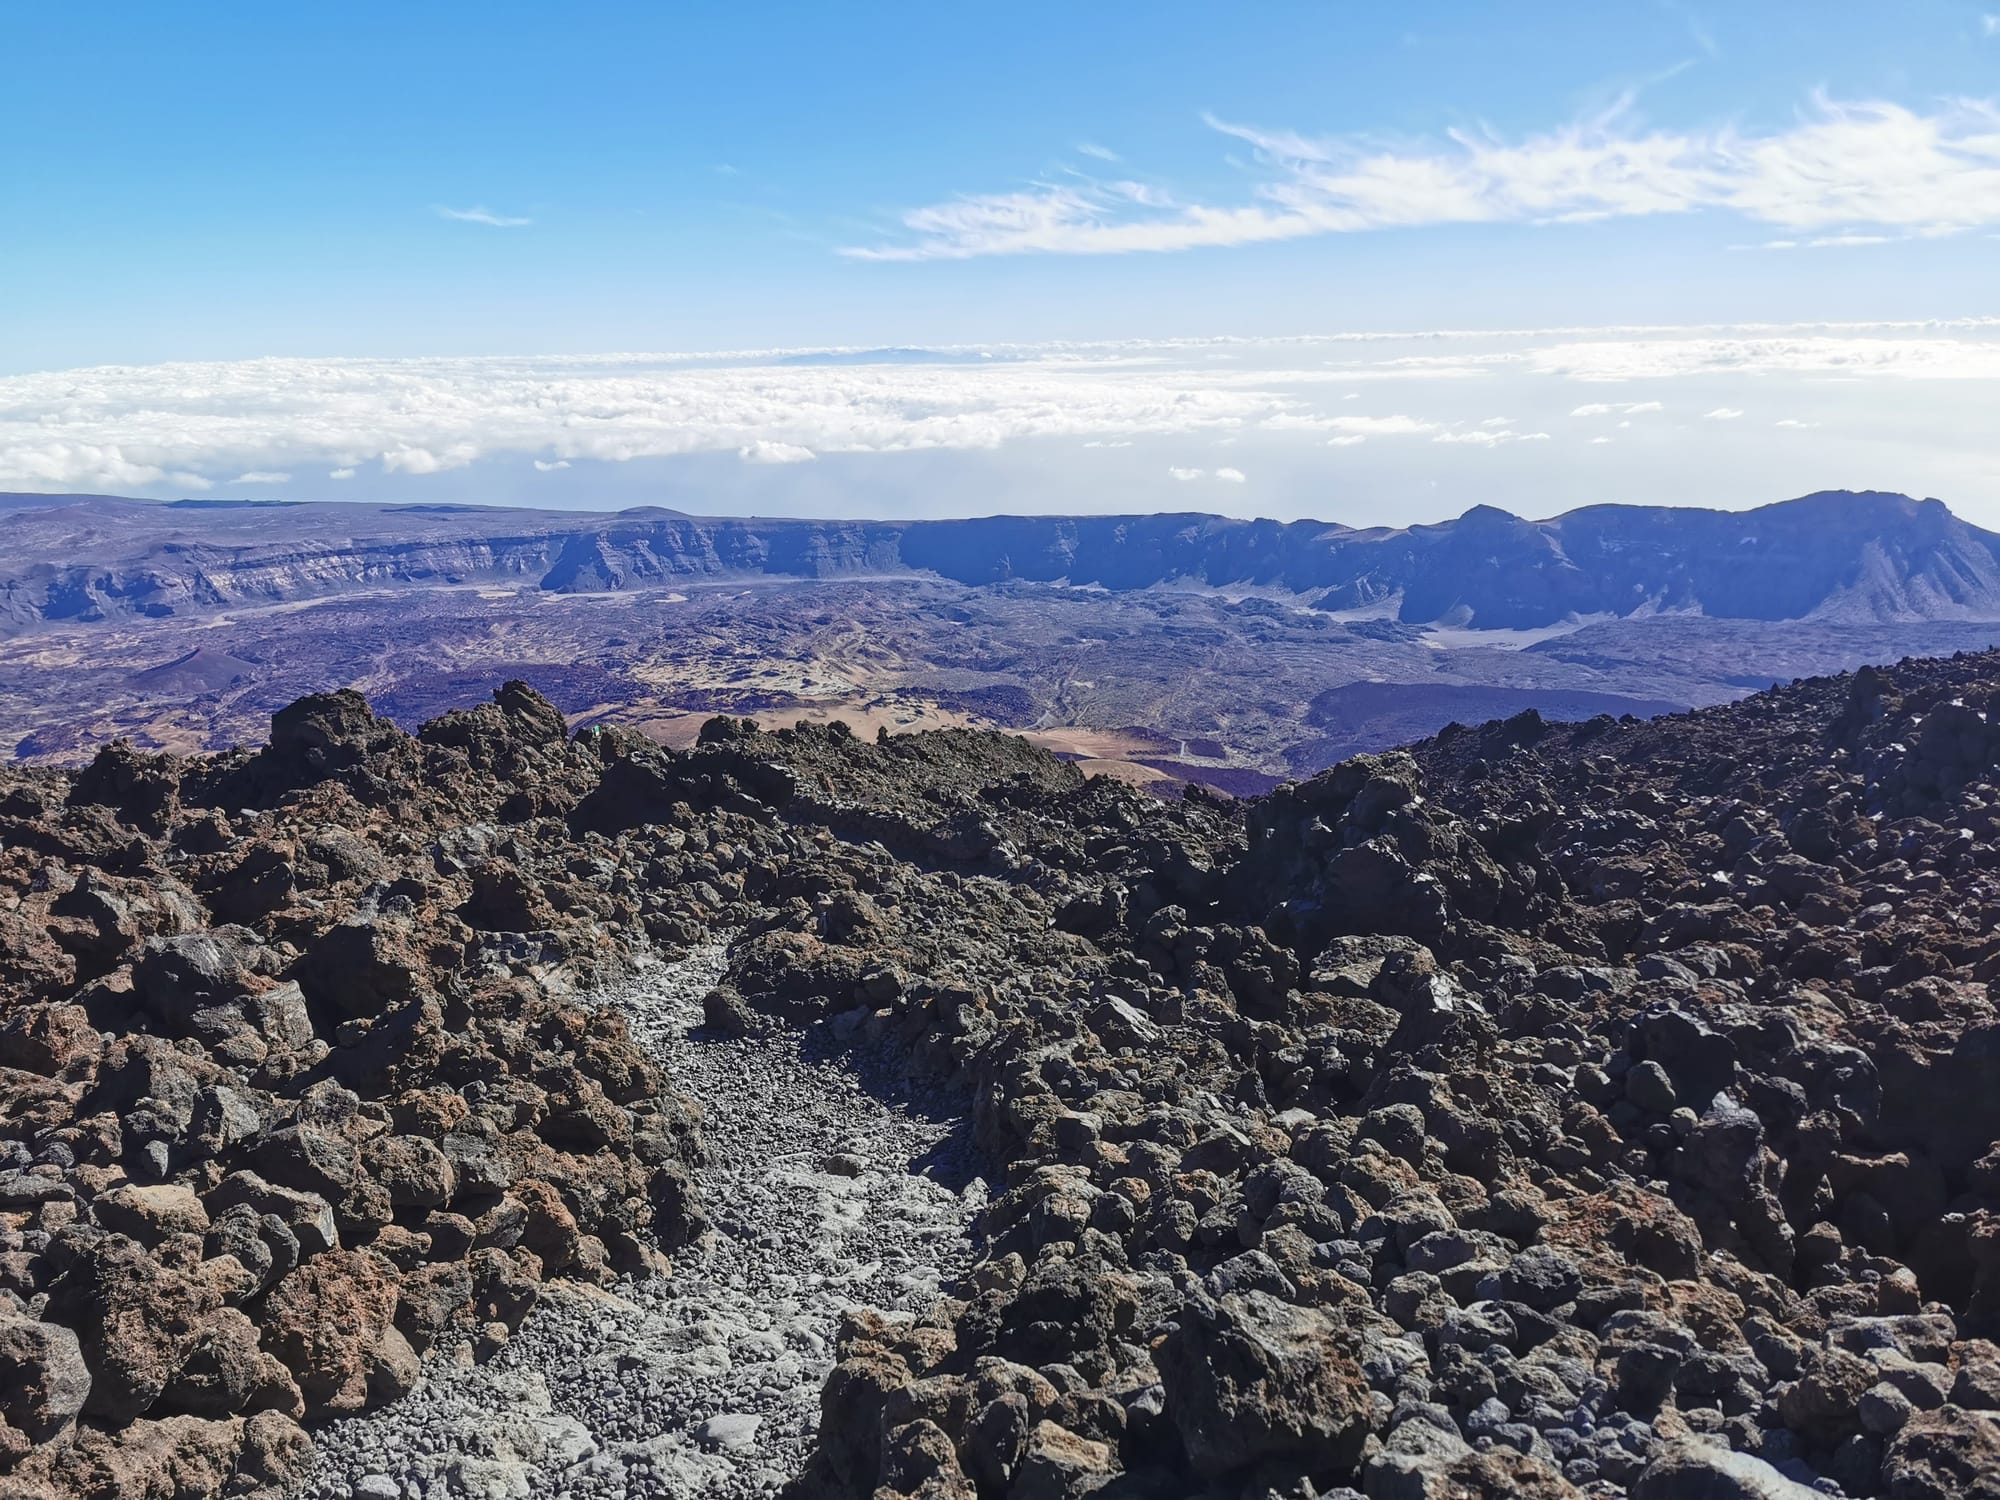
(1832, 555)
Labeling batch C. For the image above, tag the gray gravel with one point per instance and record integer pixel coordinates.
(705, 1383)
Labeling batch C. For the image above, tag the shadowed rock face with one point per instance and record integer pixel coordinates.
(1546, 1109)
(1834, 556)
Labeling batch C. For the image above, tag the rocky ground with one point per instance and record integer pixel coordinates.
(826, 1197)
(1600, 1109)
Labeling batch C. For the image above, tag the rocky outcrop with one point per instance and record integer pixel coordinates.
(278, 1119)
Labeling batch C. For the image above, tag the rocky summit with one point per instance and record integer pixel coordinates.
(1547, 1110)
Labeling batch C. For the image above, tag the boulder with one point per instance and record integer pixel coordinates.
(44, 1381)
(329, 1321)
(151, 1213)
(1059, 1465)
(1690, 1470)
(324, 733)
(306, 1216)
(136, 1320)
(1250, 1378)
(1947, 1454)
(364, 966)
(412, 1170)
(47, 1039)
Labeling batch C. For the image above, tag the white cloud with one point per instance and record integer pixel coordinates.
(763, 452)
(1796, 354)
(1858, 171)
(543, 466)
(182, 427)
(409, 460)
(1396, 425)
(143, 427)
(1102, 153)
(1847, 239)
(263, 476)
(1606, 408)
(1230, 476)
(1145, 194)
(1723, 414)
(1793, 422)
(58, 462)
(486, 216)
(1596, 440)
(1184, 475)
(1347, 441)
(1490, 437)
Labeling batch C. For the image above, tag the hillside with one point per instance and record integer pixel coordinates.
(1596, 1109)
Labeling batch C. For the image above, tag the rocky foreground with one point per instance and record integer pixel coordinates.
(1595, 1109)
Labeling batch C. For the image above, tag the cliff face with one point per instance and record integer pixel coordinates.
(1838, 555)
(177, 577)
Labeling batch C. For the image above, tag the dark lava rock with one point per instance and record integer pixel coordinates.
(1545, 1109)
(1249, 1378)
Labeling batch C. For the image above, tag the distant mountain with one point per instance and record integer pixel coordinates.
(1838, 556)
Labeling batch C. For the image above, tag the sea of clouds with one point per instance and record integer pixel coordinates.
(1369, 429)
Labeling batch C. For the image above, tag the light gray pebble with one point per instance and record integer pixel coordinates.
(704, 1384)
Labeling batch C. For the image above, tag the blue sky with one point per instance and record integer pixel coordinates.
(226, 183)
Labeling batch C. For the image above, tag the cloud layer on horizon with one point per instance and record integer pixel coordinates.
(271, 422)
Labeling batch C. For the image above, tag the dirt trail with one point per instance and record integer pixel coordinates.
(704, 1383)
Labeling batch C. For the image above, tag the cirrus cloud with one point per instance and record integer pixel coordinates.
(485, 216)
(1844, 173)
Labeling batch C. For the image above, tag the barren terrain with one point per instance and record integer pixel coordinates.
(1158, 649)
(1181, 685)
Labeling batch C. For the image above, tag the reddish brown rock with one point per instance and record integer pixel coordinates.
(1249, 1378)
(137, 1322)
(329, 1323)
